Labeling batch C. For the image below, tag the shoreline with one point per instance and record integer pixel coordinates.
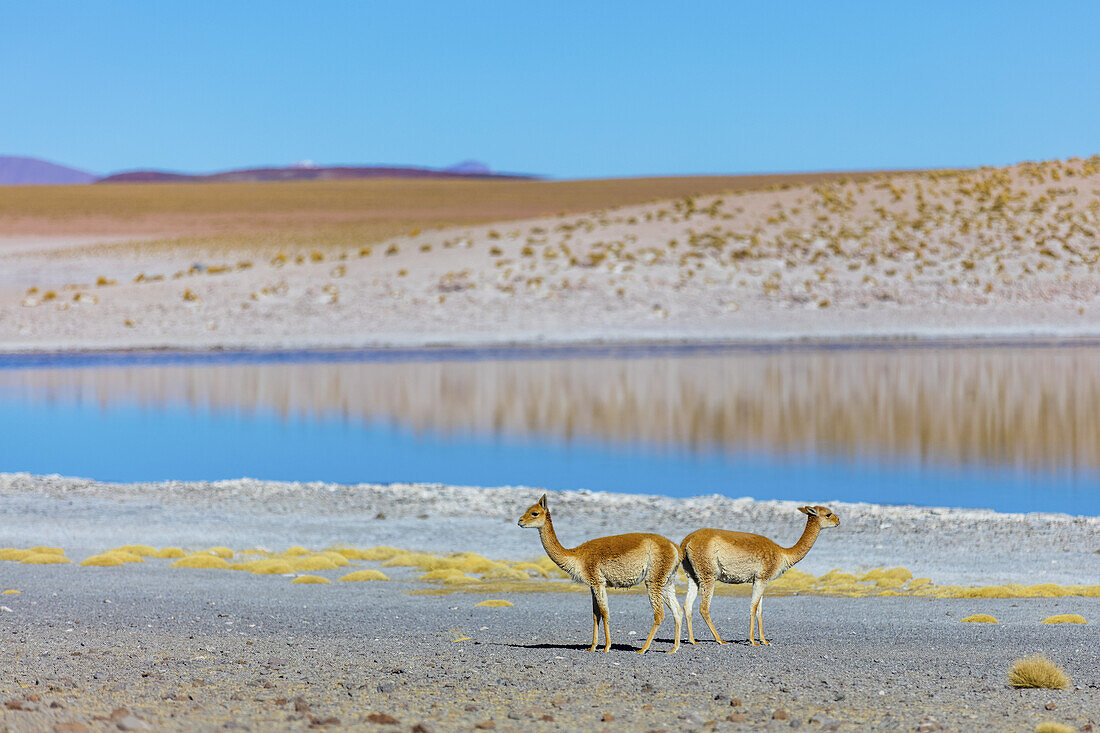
(541, 346)
(951, 546)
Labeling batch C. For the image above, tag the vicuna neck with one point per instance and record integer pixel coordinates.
(805, 542)
(550, 543)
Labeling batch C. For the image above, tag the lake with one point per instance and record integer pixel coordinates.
(1015, 428)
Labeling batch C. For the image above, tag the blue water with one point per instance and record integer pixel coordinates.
(125, 442)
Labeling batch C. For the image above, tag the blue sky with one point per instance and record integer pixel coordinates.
(562, 89)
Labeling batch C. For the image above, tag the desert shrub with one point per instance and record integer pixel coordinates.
(1037, 672)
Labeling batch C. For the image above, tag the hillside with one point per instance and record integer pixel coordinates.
(992, 253)
(23, 171)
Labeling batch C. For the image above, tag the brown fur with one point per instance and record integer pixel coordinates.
(712, 555)
(620, 561)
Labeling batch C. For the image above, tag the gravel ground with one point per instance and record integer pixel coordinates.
(201, 650)
(142, 645)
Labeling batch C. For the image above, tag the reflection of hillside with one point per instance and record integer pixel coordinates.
(1027, 407)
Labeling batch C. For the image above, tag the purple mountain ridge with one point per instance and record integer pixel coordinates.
(18, 170)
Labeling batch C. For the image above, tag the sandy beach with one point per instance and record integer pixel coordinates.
(206, 649)
(1002, 253)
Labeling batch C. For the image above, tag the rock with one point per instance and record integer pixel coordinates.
(300, 705)
(71, 727)
(648, 688)
(382, 719)
(513, 715)
(471, 708)
(779, 714)
(548, 718)
(132, 722)
(385, 687)
(736, 718)
(321, 722)
(735, 702)
(486, 725)
(608, 718)
(14, 705)
(423, 728)
(1048, 706)
(796, 722)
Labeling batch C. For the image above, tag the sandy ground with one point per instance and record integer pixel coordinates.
(997, 252)
(191, 649)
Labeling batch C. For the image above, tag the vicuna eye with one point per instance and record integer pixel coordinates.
(534, 514)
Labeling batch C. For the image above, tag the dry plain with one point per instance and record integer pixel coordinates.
(859, 643)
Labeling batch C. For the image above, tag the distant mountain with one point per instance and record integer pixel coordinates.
(21, 171)
(470, 168)
(308, 171)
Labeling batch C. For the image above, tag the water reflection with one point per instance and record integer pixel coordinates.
(1018, 408)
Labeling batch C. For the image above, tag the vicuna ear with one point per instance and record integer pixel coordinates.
(542, 501)
(808, 510)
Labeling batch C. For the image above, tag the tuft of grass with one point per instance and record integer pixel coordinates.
(44, 558)
(363, 575)
(495, 603)
(1052, 727)
(1037, 672)
(311, 579)
(171, 553)
(980, 618)
(142, 550)
(201, 560)
(1065, 618)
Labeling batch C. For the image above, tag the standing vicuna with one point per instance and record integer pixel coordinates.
(710, 555)
(620, 561)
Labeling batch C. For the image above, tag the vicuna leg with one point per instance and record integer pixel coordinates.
(595, 621)
(689, 605)
(760, 620)
(655, 599)
(707, 588)
(670, 600)
(757, 595)
(600, 592)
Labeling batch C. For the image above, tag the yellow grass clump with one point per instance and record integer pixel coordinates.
(793, 580)
(892, 578)
(141, 550)
(1052, 727)
(1065, 618)
(313, 562)
(223, 552)
(267, 566)
(170, 553)
(503, 572)
(1037, 672)
(311, 579)
(980, 618)
(363, 575)
(202, 560)
(10, 593)
(530, 567)
(12, 554)
(442, 574)
(296, 551)
(44, 558)
(110, 559)
(335, 557)
(46, 550)
(495, 603)
(373, 554)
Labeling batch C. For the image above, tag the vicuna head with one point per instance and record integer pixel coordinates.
(825, 517)
(536, 515)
